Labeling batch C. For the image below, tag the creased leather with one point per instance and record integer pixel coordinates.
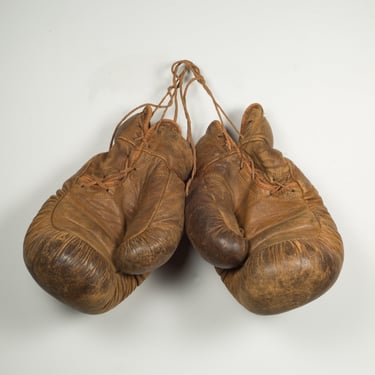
(254, 215)
(117, 219)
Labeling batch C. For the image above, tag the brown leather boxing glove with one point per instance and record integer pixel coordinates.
(117, 219)
(254, 215)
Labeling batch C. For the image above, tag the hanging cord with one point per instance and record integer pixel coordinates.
(197, 76)
(178, 90)
(180, 69)
(167, 101)
(179, 76)
(187, 66)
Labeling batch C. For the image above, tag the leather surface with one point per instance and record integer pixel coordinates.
(254, 215)
(117, 219)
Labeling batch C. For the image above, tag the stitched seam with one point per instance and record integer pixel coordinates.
(154, 212)
(306, 201)
(159, 157)
(127, 140)
(64, 194)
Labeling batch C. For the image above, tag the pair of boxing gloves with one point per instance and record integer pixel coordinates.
(249, 211)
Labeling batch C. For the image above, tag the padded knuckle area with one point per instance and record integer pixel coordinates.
(74, 273)
(284, 276)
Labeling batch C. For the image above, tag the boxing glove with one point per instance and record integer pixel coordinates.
(117, 219)
(253, 214)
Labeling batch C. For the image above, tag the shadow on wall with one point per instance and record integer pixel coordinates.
(173, 270)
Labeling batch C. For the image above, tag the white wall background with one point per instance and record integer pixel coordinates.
(70, 69)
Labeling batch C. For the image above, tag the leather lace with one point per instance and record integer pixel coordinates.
(106, 182)
(181, 69)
